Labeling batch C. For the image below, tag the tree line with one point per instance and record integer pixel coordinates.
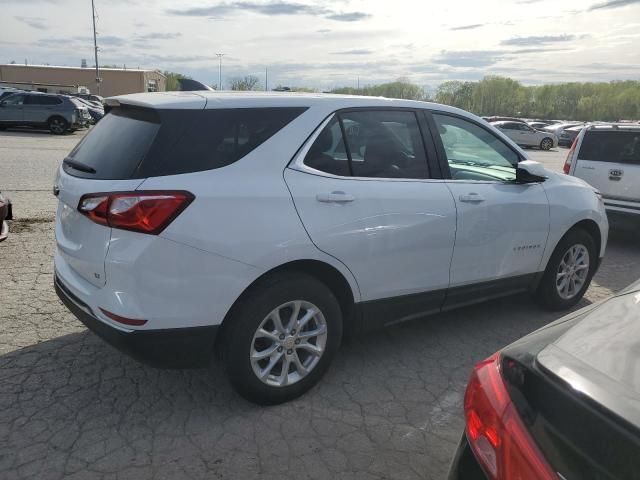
(495, 95)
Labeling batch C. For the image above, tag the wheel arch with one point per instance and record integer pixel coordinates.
(326, 273)
(592, 228)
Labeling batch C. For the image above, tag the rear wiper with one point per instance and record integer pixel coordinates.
(78, 166)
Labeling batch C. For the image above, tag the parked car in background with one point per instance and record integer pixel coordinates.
(608, 158)
(497, 118)
(557, 128)
(265, 226)
(560, 403)
(525, 135)
(58, 113)
(568, 135)
(5, 214)
(538, 125)
(90, 97)
(96, 110)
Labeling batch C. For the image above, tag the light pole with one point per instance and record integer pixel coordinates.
(220, 55)
(95, 46)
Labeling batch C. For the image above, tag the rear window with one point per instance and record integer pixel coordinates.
(139, 143)
(611, 146)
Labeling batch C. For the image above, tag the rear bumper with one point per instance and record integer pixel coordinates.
(464, 465)
(621, 206)
(168, 348)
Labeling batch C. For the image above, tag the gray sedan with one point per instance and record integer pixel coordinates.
(527, 136)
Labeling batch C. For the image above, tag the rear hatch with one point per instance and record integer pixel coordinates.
(585, 406)
(115, 156)
(609, 160)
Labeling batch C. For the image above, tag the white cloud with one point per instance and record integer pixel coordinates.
(333, 42)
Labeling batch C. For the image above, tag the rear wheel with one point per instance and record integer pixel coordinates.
(58, 125)
(569, 271)
(282, 338)
(546, 144)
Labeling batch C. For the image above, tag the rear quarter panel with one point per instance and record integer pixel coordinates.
(244, 211)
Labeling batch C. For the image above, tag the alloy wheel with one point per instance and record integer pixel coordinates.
(288, 343)
(573, 271)
(57, 126)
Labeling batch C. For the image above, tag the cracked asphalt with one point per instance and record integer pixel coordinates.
(73, 407)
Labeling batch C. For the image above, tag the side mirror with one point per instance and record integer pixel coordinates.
(529, 171)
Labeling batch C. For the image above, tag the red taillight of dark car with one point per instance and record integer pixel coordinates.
(145, 211)
(495, 431)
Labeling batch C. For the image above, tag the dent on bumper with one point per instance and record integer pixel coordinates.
(166, 348)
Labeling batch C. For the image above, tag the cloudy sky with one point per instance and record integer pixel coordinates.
(331, 43)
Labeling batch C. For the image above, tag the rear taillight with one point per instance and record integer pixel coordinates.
(567, 163)
(145, 211)
(495, 432)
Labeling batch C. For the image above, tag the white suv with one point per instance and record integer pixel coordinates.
(264, 226)
(608, 158)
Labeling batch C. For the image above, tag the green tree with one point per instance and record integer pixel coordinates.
(172, 80)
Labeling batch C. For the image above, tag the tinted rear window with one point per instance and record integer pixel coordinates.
(116, 145)
(140, 143)
(611, 146)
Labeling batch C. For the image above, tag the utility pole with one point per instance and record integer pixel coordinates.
(95, 46)
(266, 80)
(220, 55)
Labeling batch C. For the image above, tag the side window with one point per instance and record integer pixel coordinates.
(385, 144)
(51, 101)
(380, 144)
(33, 100)
(14, 100)
(328, 153)
(474, 153)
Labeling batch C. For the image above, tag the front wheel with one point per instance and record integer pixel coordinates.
(569, 271)
(281, 338)
(546, 144)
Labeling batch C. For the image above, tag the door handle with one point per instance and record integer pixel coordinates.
(471, 198)
(335, 197)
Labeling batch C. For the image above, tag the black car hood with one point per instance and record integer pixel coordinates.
(599, 355)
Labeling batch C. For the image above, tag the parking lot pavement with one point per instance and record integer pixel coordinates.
(28, 162)
(552, 159)
(389, 408)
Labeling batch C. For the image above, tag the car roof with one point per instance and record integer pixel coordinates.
(216, 99)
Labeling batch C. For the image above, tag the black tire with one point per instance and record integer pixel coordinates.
(247, 316)
(58, 125)
(546, 143)
(547, 293)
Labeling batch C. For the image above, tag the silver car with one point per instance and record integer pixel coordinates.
(59, 113)
(527, 136)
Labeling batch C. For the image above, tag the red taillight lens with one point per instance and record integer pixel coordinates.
(567, 163)
(124, 320)
(144, 211)
(495, 432)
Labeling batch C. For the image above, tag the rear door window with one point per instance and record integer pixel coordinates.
(379, 143)
(140, 143)
(611, 146)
